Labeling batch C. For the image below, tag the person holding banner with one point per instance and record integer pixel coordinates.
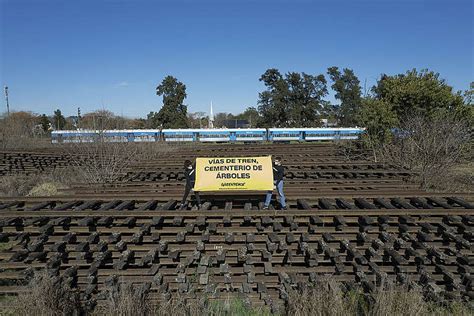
(278, 173)
(190, 173)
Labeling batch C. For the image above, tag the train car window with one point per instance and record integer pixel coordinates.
(214, 135)
(286, 134)
(249, 135)
(144, 137)
(178, 137)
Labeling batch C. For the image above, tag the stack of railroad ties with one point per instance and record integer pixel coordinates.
(310, 170)
(357, 221)
(239, 251)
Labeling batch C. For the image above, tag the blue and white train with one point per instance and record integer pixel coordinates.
(313, 134)
(208, 135)
(215, 135)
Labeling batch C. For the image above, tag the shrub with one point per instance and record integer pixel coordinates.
(429, 146)
(125, 299)
(21, 130)
(390, 299)
(39, 184)
(50, 295)
(44, 189)
(46, 295)
(18, 185)
(326, 297)
(106, 162)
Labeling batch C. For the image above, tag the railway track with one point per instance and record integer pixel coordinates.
(41, 160)
(291, 193)
(236, 250)
(297, 171)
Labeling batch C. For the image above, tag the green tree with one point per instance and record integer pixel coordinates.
(272, 103)
(152, 120)
(173, 113)
(330, 112)
(378, 117)
(469, 95)
(59, 121)
(420, 93)
(348, 92)
(415, 103)
(291, 101)
(45, 123)
(250, 114)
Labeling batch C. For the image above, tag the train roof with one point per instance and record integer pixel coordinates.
(307, 129)
(215, 130)
(106, 131)
(206, 130)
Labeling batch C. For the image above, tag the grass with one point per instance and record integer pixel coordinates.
(204, 306)
(48, 295)
(5, 305)
(323, 298)
(47, 183)
(125, 300)
(44, 189)
(330, 298)
(234, 307)
(459, 179)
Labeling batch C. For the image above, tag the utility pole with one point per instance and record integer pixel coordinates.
(78, 117)
(6, 98)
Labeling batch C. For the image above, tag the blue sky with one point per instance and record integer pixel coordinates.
(113, 54)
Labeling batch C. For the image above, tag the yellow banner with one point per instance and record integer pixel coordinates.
(241, 173)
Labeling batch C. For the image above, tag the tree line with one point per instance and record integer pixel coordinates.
(300, 100)
(291, 99)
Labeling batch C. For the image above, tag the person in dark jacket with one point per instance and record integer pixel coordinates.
(278, 173)
(190, 173)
